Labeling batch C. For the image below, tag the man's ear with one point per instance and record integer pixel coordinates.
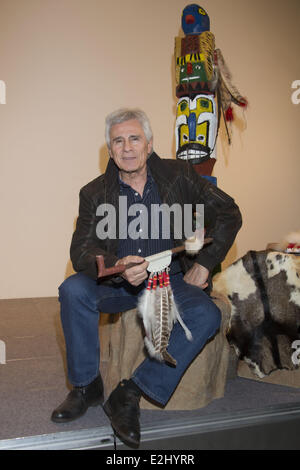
(150, 146)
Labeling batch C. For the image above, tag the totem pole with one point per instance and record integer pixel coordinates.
(204, 90)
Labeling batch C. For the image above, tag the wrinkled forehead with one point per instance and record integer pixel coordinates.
(126, 129)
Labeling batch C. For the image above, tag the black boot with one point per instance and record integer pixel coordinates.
(78, 401)
(123, 410)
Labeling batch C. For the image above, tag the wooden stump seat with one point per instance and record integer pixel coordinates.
(122, 350)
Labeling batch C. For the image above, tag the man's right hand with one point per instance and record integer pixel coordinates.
(135, 275)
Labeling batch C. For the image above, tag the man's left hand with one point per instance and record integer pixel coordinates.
(197, 276)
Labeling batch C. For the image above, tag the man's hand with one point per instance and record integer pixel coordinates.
(197, 276)
(135, 275)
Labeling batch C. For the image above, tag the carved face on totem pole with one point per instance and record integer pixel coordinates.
(196, 128)
(196, 120)
(192, 69)
(202, 79)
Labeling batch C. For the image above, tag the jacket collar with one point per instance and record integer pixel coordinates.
(161, 173)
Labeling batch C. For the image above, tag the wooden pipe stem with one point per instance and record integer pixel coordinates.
(120, 268)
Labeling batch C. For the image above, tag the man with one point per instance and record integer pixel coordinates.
(136, 172)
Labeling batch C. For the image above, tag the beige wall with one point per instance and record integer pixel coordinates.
(67, 63)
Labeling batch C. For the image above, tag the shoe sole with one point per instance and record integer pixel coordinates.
(129, 442)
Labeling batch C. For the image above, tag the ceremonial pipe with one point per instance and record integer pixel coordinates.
(120, 268)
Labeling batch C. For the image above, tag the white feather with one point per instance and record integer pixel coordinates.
(151, 350)
(147, 305)
(145, 309)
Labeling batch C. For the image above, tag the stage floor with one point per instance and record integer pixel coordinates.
(251, 414)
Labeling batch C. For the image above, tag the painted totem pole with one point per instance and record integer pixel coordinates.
(204, 90)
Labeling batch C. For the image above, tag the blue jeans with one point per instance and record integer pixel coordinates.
(81, 301)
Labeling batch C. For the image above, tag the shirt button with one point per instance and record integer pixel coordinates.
(136, 194)
(139, 250)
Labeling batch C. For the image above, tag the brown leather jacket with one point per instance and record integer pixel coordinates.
(177, 182)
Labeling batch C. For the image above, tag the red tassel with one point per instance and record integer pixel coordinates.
(150, 280)
(243, 103)
(229, 114)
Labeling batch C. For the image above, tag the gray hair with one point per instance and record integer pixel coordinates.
(126, 114)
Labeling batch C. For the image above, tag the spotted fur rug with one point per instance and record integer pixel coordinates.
(263, 288)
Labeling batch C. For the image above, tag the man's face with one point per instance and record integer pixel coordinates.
(129, 147)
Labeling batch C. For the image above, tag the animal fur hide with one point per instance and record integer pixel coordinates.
(264, 291)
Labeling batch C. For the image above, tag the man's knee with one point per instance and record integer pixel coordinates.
(74, 286)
